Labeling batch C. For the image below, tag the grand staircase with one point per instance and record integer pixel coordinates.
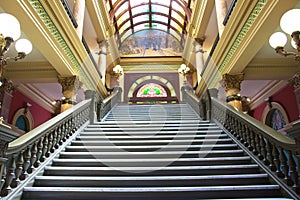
(152, 152)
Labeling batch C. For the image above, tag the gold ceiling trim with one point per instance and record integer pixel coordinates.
(242, 34)
(40, 10)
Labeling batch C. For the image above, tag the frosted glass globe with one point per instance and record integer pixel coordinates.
(23, 45)
(290, 21)
(9, 26)
(278, 39)
(293, 44)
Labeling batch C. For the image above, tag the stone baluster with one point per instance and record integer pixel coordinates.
(33, 157)
(275, 154)
(10, 175)
(26, 165)
(19, 169)
(284, 165)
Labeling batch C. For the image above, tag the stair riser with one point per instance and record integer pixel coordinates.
(71, 195)
(150, 149)
(143, 138)
(144, 156)
(151, 173)
(147, 164)
(143, 143)
(149, 183)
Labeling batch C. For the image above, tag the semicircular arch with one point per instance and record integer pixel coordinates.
(147, 79)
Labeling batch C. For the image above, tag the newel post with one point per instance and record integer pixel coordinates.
(6, 136)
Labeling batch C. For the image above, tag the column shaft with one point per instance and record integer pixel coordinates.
(78, 11)
(221, 10)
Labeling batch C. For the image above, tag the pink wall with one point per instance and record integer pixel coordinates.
(286, 98)
(39, 114)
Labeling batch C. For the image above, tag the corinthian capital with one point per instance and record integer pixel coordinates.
(230, 82)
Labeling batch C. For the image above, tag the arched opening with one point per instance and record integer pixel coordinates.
(275, 116)
(152, 92)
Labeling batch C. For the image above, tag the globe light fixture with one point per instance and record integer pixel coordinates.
(117, 72)
(183, 69)
(289, 25)
(9, 32)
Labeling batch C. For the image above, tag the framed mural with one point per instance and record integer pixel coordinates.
(147, 43)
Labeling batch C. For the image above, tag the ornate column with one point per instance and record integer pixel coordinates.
(199, 57)
(295, 82)
(102, 59)
(232, 86)
(6, 90)
(70, 85)
(78, 12)
(221, 9)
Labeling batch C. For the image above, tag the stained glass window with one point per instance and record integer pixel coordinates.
(152, 90)
(137, 15)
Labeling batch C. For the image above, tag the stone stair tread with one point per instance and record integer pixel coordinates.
(140, 136)
(157, 141)
(154, 189)
(138, 178)
(154, 152)
(151, 159)
(169, 168)
(154, 146)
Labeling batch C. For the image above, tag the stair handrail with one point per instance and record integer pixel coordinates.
(276, 153)
(108, 103)
(25, 154)
(199, 105)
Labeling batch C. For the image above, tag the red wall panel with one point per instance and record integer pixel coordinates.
(285, 97)
(39, 114)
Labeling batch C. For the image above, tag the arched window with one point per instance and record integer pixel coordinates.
(275, 116)
(151, 90)
(277, 121)
(23, 120)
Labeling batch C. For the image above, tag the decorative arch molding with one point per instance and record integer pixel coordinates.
(147, 79)
(24, 112)
(268, 111)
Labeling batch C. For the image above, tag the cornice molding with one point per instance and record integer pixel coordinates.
(242, 34)
(39, 97)
(151, 61)
(69, 42)
(269, 90)
(30, 71)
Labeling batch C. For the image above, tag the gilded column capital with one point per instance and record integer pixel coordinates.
(70, 85)
(232, 81)
(295, 81)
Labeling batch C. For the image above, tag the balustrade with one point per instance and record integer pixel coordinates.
(29, 151)
(277, 154)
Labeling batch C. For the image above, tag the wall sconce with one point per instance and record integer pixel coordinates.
(184, 70)
(288, 24)
(9, 32)
(117, 72)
